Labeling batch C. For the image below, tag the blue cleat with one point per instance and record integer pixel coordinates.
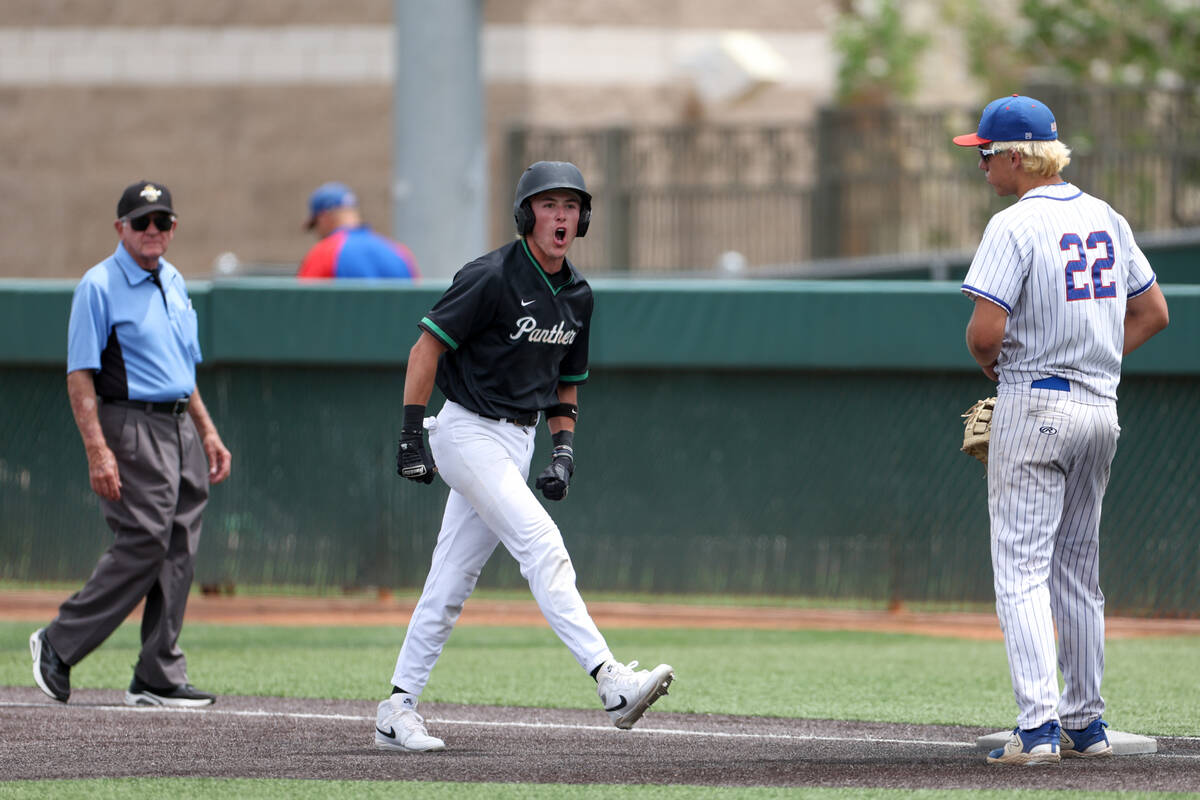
(1036, 746)
(1089, 742)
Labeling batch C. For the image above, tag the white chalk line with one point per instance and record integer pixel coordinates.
(799, 737)
(608, 729)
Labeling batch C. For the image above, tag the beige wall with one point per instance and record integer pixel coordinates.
(242, 158)
(714, 14)
(22, 13)
(239, 162)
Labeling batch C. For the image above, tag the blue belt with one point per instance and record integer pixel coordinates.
(1057, 384)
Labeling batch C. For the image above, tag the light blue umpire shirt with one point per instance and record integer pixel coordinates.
(141, 339)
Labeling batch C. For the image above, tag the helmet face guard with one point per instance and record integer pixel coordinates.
(542, 177)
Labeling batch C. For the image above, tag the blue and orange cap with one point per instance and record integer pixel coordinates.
(1012, 119)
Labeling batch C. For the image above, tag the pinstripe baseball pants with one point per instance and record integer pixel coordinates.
(1048, 468)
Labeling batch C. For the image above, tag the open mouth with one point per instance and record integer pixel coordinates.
(560, 235)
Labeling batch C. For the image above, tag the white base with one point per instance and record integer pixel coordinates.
(1123, 744)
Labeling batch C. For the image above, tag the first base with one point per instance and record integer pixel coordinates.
(1123, 744)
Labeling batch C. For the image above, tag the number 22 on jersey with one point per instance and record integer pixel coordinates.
(1078, 286)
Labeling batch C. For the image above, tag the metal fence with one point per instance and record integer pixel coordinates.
(804, 500)
(735, 441)
(855, 183)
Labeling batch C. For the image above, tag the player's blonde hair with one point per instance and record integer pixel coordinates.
(1045, 159)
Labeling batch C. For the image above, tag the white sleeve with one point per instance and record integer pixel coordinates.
(998, 270)
(1140, 275)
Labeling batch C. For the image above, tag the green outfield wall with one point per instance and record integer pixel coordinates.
(784, 438)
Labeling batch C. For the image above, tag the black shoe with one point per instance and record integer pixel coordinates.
(182, 696)
(52, 674)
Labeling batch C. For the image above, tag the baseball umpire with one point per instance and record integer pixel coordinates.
(152, 451)
(505, 343)
(1061, 294)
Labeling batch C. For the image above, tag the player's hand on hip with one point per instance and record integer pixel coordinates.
(413, 460)
(555, 479)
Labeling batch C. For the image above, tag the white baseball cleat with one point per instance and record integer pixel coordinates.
(626, 693)
(398, 726)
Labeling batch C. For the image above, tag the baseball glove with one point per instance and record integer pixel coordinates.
(977, 430)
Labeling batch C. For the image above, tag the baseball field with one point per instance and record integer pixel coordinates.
(769, 701)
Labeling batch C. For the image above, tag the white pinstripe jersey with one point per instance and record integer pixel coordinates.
(1062, 264)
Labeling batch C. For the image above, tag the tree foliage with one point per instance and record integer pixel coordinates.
(879, 54)
(1013, 43)
(1148, 43)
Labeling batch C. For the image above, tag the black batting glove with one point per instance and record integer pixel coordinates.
(555, 479)
(412, 458)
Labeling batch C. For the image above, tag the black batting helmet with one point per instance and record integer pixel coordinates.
(542, 177)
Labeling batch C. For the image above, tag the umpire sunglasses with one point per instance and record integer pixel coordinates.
(163, 222)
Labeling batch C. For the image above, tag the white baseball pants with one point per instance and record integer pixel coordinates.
(486, 464)
(1048, 468)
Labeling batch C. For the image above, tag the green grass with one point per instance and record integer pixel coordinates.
(238, 789)
(813, 674)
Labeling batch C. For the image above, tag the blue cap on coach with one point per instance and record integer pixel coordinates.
(1012, 119)
(327, 196)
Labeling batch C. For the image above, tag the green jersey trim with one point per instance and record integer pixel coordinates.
(554, 291)
(439, 333)
(573, 378)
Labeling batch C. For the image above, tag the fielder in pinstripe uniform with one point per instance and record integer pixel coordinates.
(1061, 293)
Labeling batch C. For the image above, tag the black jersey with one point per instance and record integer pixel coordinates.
(514, 333)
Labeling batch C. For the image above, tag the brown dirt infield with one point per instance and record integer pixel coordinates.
(269, 737)
(95, 735)
(388, 610)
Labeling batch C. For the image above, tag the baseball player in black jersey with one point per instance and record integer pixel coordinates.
(506, 343)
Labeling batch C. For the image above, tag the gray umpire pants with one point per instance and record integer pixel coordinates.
(164, 488)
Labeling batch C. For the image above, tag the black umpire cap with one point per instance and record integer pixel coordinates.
(142, 198)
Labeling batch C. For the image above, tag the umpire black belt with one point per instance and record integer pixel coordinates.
(176, 407)
(524, 420)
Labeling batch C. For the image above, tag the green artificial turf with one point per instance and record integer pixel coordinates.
(1149, 684)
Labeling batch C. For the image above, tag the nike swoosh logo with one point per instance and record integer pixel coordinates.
(390, 732)
(527, 303)
(619, 705)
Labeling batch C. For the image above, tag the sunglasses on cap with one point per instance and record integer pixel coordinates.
(163, 222)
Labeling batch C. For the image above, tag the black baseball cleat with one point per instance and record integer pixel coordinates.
(182, 696)
(52, 674)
